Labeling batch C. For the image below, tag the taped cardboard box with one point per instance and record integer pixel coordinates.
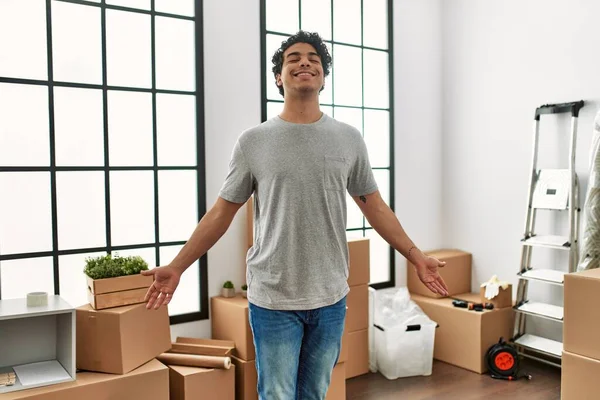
(118, 340)
(246, 379)
(456, 273)
(229, 321)
(359, 262)
(357, 316)
(187, 383)
(463, 336)
(148, 382)
(579, 377)
(582, 316)
(358, 354)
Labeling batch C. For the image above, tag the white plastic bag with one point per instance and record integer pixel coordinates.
(403, 335)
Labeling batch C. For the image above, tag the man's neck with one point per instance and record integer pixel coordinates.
(301, 110)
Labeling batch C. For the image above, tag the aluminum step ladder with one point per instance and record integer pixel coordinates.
(555, 190)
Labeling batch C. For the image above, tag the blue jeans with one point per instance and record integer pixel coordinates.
(296, 351)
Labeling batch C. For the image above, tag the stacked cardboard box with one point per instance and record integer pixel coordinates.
(229, 320)
(581, 352)
(357, 317)
(188, 382)
(463, 336)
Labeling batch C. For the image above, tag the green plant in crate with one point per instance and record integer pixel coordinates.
(109, 266)
(244, 290)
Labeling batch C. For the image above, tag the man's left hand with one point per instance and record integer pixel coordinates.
(429, 275)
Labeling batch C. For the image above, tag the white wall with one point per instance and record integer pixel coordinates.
(501, 60)
(232, 104)
(418, 123)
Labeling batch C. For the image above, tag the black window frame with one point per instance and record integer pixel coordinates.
(199, 168)
(264, 101)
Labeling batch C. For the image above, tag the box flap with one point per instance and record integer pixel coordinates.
(114, 310)
(589, 274)
(187, 371)
(205, 342)
(237, 301)
(201, 349)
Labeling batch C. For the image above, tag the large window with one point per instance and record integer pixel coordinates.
(358, 90)
(101, 141)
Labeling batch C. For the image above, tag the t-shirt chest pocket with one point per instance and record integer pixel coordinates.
(335, 172)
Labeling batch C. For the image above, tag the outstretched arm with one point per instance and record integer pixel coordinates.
(208, 231)
(385, 222)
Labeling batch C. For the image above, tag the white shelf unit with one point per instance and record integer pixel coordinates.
(37, 343)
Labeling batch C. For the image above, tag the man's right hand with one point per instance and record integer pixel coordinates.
(165, 282)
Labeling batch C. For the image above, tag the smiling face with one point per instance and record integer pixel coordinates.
(301, 72)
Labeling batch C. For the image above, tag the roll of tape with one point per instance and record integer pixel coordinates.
(37, 299)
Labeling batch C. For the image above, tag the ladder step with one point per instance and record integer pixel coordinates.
(542, 310)
(552, 241)
(544, 275)
(543, 345)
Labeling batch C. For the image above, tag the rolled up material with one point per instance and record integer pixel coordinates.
(193, 360)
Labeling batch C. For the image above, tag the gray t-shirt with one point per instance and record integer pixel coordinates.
(299, 175)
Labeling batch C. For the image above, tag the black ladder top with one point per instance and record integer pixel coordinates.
(558, 108)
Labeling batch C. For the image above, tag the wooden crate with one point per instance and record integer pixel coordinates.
(119, 291)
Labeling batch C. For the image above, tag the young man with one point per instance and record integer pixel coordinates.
(299, 166)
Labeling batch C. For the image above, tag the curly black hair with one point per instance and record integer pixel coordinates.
(311, 38)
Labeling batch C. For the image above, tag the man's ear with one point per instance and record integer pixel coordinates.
(278, 80)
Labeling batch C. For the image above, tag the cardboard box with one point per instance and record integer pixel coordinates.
(358, 353)
(187, 383)
(206, 347)
(456, 273)
(503, 298)
(360, 261)
(579, 377)
(229, 321)
(464, 336)
(119, 340)
(148, 382)
(357, 316)
(118, 291)
(337, 384)
(246, 379)
(582, 315)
